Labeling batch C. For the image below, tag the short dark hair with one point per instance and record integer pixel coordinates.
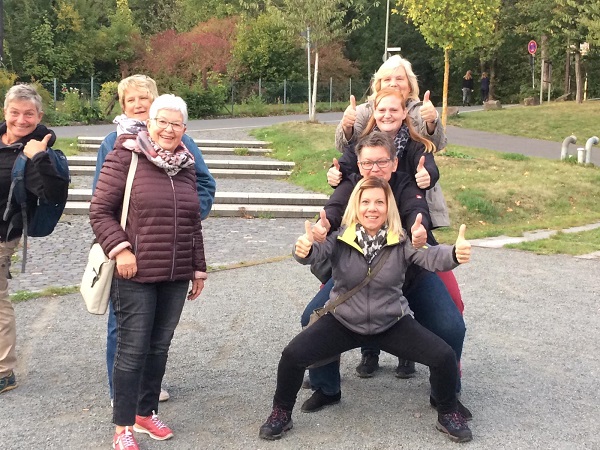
(376, 139)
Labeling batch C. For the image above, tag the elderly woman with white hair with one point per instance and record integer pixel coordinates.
(157, 255)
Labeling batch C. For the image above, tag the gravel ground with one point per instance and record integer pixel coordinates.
(530, 366)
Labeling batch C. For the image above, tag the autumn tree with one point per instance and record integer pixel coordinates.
(451, 25)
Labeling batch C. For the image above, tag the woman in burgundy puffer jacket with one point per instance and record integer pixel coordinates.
(157, 255)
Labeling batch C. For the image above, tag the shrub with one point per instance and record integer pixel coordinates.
(78, 109)
(255, 105)
(108, 98)
(203, 102)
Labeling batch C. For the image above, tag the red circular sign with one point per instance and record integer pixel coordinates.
(532, 47)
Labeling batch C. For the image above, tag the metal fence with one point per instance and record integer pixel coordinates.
(269, 92)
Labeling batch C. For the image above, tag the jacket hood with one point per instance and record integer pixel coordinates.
(348, 235)
(38, 134)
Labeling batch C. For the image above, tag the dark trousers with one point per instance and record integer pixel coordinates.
(147, 315)
(433, 308)
(405, 339)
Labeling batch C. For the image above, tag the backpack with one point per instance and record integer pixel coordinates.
(46, 214)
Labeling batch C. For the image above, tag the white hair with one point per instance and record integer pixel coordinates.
(170, 102)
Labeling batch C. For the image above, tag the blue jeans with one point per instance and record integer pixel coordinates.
(111, 345)
(433, 308)
(147, 315)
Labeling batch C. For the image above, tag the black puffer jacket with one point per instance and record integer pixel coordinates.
(163, 223)
(41, 180)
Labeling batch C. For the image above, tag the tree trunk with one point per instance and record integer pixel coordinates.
(567, 87)
(492, 74)
(544, 47)
(445, 89)
(312, 117)
(578, 80)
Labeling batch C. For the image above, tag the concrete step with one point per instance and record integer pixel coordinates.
(235, 198)
(92, 143)
(231, 210)
(205, 150)
(90, 161)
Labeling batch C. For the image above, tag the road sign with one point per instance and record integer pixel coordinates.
(532, 47)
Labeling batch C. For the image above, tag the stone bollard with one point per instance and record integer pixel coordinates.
(492, 105)
(531, 101)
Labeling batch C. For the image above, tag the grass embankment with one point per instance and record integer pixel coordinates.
(67, 145)
(493, 193)
(552, 122)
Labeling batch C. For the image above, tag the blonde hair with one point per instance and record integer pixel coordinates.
(389, 67)
(139, 82)
(23, 92)
(393, 216)
(429, 146)
(468, 75)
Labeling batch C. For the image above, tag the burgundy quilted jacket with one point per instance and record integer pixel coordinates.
(163, 223)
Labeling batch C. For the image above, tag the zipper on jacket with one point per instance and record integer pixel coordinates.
(174, 228)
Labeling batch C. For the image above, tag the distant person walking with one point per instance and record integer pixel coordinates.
(485, 87)
(467, 88)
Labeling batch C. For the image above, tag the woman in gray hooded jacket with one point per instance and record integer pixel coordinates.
(376, 314)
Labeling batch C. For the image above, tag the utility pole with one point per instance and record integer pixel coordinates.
(1, 33)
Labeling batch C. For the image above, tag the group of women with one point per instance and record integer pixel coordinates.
(375, 230)
(411, 306)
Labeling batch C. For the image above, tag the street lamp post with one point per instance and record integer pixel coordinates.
(387, 26)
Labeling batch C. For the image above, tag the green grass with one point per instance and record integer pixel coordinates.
(67, 145)
(552, 122)
(567, 243)
(492, 193)
(21, 296)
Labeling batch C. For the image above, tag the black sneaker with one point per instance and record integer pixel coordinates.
(405, 369)
(459, 407)
(369, 363)
(278, 422)
(8, 382)
(455, 426)
(319, 400)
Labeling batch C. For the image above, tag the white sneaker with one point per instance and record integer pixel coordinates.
(164, 395)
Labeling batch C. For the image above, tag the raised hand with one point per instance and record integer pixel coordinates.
(422, 176)
(418, 232)
(427, 110)
(334, 175)
(321, 228)
(304, 242)
(349, 118)
(462, 247)
(33, 147)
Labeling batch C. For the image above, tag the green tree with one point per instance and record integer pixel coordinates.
(451, 25)
(264, 49)
(119, 43)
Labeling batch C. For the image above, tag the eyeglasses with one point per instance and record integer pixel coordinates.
(382, 164)
(164, 124)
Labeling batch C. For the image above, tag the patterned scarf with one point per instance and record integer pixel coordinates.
(126, 125)
(171, 162)
(371, 244)
(400, 140)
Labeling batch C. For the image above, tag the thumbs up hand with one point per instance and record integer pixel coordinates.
(427, 110)
(321, 228)
(462, 247)
(334, 175)
(304, 242)
(418, 232)
(349, 118)
(422, 176)
(33, 147)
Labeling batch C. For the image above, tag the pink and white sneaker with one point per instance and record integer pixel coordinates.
(125, 440)
(152, 426)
